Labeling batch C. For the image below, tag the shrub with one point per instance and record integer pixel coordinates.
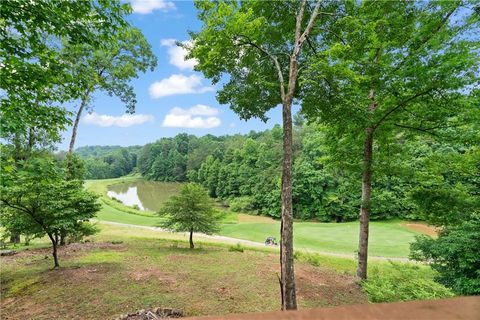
(455, 254)
(242, 204)
(403, 282)
(83, 230)
(238, 247)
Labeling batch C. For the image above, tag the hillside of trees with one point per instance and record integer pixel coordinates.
(103, 162)
(243, 171)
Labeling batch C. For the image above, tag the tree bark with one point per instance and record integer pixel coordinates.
(365, 206)
(191, 239)
(15, 238)
(83, 103)
(62, 239)
(54, 240)
(289, 300)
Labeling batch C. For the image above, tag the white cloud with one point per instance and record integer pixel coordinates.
(125, 120)
(147, 6)
(199, 117)
(177, 84)
(177, 54)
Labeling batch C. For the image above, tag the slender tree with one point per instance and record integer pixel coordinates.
(108, 67)
(392, 68)
(34, 78)
(259, 45)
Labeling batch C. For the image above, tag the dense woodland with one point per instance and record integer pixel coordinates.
(243, 172)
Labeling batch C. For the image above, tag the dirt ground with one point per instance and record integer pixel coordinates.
(140, 275)
(422, 228)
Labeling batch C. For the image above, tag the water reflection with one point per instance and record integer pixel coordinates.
(147, 195)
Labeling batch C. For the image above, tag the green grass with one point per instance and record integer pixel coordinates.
(144, 271)
(387, 239)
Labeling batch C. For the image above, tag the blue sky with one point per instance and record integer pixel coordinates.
(172, 99)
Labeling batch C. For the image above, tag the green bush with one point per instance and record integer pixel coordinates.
(83, 230)
(403, 282)
(242, 204)
(455, 254)
(238, 247)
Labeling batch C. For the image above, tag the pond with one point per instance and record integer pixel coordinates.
(147, 195)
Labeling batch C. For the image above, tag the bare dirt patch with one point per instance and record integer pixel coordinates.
(422, 228)
(152, 273)
(248, 218)
(64, 252)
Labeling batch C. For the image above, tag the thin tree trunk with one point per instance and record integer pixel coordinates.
(15, 238)
(31, 139)
(62, 239)
(286, 243)
(54, 240)
(365, 206)
(83, 103)
(191, 239)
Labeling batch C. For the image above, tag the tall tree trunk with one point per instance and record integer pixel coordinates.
(15, 238)
(289, 299)
(83, 103)
(54, 240)
(31, 139)
(191, 239)
(365, 206)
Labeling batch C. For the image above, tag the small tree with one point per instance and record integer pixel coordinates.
(37, 200)
(190, 211)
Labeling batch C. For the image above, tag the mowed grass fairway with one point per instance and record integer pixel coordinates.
(387, 239)
(101, 280)
(390, 239)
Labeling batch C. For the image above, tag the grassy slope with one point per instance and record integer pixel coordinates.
(99, 281)
(387, 239)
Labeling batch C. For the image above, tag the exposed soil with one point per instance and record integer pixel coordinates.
(254, 219)
(201, 282)
(422, 228)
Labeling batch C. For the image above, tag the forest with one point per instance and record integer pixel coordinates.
(324, 187)
(362, 183)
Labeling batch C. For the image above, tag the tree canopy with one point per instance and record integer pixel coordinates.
(37, 200)
(191, 211)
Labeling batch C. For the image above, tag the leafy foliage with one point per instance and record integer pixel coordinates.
(103, 162)
(34, 77)
(38, 201)
(402, 282)
(455, 255)
(191, 211)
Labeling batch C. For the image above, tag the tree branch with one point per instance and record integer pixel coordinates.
(272, 57)
(430, 35)
(399, 106)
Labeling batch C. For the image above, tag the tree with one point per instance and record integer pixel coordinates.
(190, 211)
(259, 45)
(108, 67)
(37, 200)
(34, 79)
(390, 69)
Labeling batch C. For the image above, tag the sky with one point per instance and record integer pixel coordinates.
(172, 99)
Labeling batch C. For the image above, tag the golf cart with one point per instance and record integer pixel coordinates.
(271, 241)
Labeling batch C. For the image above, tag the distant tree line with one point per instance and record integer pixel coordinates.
(243, 171)
(104, 162)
